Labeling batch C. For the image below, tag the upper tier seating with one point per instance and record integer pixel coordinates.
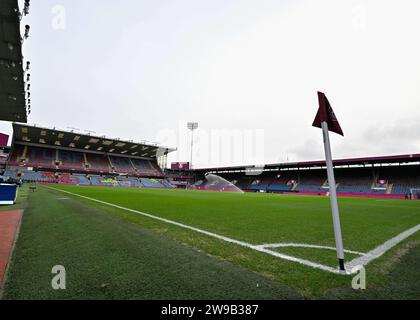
(143, 166)
(41, 157)
(98, 162)
(50, 158)
(122, 164)
(71, 159)
(17, 154)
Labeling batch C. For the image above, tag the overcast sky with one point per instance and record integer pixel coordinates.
(246, 70)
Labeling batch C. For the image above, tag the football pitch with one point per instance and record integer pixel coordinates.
(234, 245)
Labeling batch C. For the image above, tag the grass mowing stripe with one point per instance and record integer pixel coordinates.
(257, 219)
(266, 218)
(380, 250)
(214, 235)
(108, 257)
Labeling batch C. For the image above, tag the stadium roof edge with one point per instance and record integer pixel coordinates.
(405, 158)
(57, 138)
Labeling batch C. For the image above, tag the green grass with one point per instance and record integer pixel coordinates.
(110, 258)
(269, 218)
(89, 237)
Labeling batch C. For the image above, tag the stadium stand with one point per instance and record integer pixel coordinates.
(34, 176)
(18, 155)
(71, 160)
(75, 179)
(121, 164)
(167, 184)
(151, 183)
(388, 176)
(402, 179)
(40, 157)
(141, 165)
(311, 180)
(129, 182)
(145, 167)
(9, 173)
(97, 180)
(348, 181)
(97, 162)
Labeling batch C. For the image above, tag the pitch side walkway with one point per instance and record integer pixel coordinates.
(9, 224)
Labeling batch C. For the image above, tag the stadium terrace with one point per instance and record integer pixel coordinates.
(384, 177)
(55, 156)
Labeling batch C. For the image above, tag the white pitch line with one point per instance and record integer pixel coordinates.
(214, 235)
(380, 250)
(301, 261)
(304, 245)
(365, 259)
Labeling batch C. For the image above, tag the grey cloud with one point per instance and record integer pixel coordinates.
(309, 150)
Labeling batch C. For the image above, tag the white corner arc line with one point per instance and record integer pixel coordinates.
(365, 259)
(214, 235)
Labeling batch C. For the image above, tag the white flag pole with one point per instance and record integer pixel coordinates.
(333, 196)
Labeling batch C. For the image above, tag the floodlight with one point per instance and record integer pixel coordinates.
(192, 126)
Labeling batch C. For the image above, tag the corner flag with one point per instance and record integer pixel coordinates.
(326, 119)
(326, 113)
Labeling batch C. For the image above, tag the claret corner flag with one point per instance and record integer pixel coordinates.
(327, 121)
(326, 114)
